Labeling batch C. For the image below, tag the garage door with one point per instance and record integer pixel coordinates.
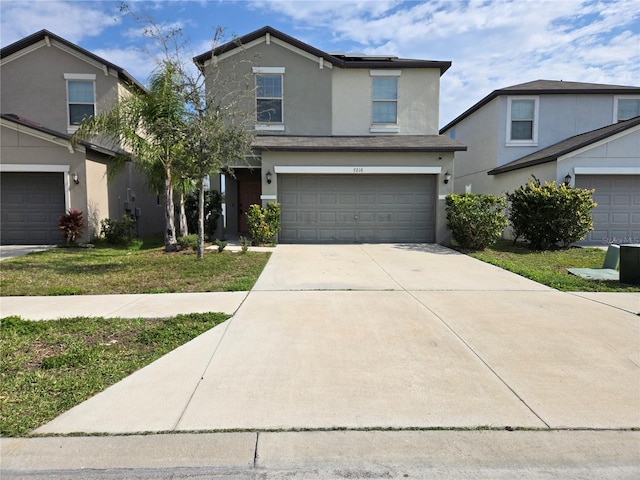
(357, 208)
(617, 217)
(31, 204)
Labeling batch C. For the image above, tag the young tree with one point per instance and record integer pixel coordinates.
(147, 127)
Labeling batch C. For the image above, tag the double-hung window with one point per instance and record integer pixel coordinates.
(385, 100)
(384, 96)
(269, 97)
(522, 123)
(625, 108)
(81, 98)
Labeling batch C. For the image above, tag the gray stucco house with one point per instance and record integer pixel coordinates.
(48, 85)
(347, 144)
(582, 133)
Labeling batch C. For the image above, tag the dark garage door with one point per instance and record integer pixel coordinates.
(31, 205)
(357, 208)
(616, 219)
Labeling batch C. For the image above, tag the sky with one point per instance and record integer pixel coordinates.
(492, 44)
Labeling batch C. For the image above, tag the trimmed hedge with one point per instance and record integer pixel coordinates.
(476, 220)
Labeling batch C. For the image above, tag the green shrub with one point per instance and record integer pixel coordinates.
(244, 244)
(476, 221)
(550, 215)
(71, 224)
(118, 232)
(188, 242)
(263, 223)
(220, 244)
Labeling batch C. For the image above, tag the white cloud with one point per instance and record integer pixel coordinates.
(73, 21)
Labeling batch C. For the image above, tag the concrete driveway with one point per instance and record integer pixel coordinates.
(376, 336)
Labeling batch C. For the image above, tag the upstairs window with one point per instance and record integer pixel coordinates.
(269, 95)
(385, 100)
(522, 126)
(81, 98)
(626, 108)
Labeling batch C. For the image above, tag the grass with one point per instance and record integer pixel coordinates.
(50, 366)
(139, 269)
(550, 267)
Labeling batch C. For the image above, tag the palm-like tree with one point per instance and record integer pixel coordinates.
(148, 128)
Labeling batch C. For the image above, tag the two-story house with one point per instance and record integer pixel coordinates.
(347, 144)
(48, 85)
(586, 135)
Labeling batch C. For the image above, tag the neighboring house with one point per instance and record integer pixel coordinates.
(48, 85)
(585, 134)
(347, 144)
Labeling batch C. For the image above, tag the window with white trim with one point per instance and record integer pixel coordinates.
(522, 121)
(626, 107)
(385, 101)
(269, 96)
(81, 98)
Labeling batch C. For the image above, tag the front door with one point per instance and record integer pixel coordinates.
(248, 194)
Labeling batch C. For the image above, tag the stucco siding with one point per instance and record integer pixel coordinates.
(306, 86)
(34, 87)
(480, 133)
(418, 101)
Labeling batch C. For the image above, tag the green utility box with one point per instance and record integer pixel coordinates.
(630, 264)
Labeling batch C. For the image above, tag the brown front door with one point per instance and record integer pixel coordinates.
(248, 194)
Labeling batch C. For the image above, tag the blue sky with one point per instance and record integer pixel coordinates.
(492, 43)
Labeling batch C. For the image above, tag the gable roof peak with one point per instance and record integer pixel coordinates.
(341, 60)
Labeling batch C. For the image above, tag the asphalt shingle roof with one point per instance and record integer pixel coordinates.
(382, 143)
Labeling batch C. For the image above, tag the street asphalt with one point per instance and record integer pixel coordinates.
(363, 361)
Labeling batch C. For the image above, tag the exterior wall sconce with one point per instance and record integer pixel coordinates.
(567, 180)
(269, 176)
(447, 177)
(75, 178)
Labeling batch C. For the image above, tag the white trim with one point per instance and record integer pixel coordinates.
(47, 137)
(79, 76)
(384, 129)
(271, 128)
(536, 119)
(268, 70)
(607, 170)
(442, 197)
(357, 170)
(33, 167)
(268, 197)
(385, 73)
(599, 143)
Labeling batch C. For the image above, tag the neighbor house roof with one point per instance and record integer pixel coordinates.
(46, 36)
(386, 143)
(568, 145)
(30, 124)
(547, 87)
(340, 60)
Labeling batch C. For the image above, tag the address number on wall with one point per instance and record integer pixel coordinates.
(358, 170)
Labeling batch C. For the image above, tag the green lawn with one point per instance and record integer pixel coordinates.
(550, 267)
(109, 270)
(49, 367)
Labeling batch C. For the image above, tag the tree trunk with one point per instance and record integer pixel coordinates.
(184, 228)
(170, 244)
(201, 219)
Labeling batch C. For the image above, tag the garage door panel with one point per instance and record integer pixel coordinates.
(358, 208)
(615, 218)
(31, 205)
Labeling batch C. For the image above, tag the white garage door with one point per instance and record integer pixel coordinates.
(616, 219)
(357, 208)
(31, 206)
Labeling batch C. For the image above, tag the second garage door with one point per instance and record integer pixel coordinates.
(357, 208)
(616, 219)
(31, 207)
